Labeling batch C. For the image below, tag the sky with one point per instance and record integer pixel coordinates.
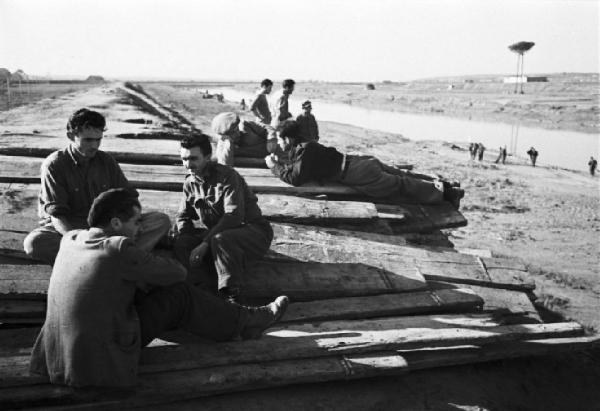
(330, 40)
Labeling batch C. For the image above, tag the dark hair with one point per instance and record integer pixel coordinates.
(266, 83)
(116, 202)
(197, 140)
(288, 83)
(85, 118)
(290, 129)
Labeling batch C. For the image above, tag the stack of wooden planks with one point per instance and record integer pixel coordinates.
(364, 302)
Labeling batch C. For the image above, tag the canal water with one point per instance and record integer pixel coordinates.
(567, 149)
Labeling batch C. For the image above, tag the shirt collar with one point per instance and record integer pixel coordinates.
(77, 158)
(206, 173)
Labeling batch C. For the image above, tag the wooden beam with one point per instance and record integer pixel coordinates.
(23, 311)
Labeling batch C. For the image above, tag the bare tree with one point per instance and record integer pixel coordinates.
(520, 48)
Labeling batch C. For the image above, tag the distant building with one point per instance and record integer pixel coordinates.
(94, 79)
(4, 74)
(19, 76)
(370, 86)
(525, 79)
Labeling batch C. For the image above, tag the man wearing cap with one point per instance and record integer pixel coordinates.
(309, 130)
(311, 161)
(280, 105)
(230, 231)
(260, 104)
(238, 138)
(98, 321)
(70, 180)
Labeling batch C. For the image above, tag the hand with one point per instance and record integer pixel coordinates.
(197, 254)
(271, 160)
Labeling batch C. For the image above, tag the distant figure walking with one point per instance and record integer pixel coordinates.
(279, 103)
(533, 155)
(593, 163)
(473, 148)
(243, 104)
(480, 151)
(501, 155)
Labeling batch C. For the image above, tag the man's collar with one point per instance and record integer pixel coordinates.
(206, 173)
(76, 157)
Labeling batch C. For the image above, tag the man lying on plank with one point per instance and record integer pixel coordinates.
(70, 180)
(97, 321)
(234, 231)
(240, 138)
(311, 161)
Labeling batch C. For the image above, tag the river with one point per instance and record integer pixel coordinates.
(566, 149)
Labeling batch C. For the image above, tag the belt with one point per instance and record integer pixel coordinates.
(344, 167)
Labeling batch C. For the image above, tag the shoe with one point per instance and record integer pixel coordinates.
(261, 318)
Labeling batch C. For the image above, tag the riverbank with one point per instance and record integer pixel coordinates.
(568, 101)
(547, 217)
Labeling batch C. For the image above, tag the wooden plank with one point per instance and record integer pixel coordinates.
(515, 306)
(126, 157)
(180, 385)
(19, 311)
(305, 340)
(265, 279)
(274, 207)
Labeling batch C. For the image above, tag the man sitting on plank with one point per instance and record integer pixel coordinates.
(233, 231)
(311, 161)
(239, 138)
(97, 321)
(70, 180)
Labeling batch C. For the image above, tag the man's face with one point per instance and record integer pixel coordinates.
(268, 89)
(307, 110)
(283, 142)
(194, 160)
(86, 141)
(288, 90)
(131, 227)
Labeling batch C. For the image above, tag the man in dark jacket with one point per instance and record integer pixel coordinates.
(98, 321)
(233, 230)
(312, 161)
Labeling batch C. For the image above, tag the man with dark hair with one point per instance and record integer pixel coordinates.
(234, 231)
(312, 161)
(70, 180)
(260, 105)
(280, 105)
(97, 321)
(309, 130)
(238, 138)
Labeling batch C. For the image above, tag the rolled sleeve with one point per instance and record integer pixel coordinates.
(53, 193)
(186, 213)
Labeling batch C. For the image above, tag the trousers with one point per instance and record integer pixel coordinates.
(375, 179)
(230, 252)
(184, 306)
(43, 242)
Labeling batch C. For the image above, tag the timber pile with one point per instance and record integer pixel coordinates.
(364, 303)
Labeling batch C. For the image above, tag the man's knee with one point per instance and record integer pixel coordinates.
(157, 221)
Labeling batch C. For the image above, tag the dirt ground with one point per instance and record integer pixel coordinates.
(547, 217)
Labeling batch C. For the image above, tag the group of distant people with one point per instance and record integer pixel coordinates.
(476, 150)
